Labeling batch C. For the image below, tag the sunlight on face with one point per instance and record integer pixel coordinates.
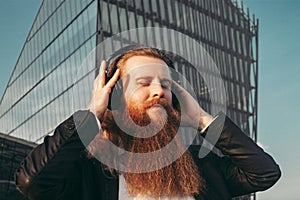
(146, 78)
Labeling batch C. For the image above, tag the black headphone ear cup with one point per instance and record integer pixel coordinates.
(116, 91)
(115, 96)
(175, 101)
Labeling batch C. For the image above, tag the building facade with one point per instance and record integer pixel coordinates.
(39, 94)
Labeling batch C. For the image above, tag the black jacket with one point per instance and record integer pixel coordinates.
(57, 169)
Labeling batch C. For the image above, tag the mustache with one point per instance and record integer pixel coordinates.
(161, 101)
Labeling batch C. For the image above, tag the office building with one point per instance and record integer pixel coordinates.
(40, 91)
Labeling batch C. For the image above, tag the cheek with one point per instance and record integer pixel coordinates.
(136, 97)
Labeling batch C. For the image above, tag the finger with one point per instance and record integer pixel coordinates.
(102, 72)
(99, 78)
(177, 86)
(114, 79)
(102, 67)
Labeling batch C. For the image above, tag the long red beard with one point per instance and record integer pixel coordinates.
(180, 178)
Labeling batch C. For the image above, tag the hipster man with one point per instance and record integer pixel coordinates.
(146, 119)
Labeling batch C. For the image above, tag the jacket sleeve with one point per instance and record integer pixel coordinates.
(51, 169)
(246, 168)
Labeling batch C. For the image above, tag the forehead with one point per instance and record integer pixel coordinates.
(146, 66)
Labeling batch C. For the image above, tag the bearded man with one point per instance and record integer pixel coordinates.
(147, 119)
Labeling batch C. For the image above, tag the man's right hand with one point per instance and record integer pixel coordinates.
(101, 91)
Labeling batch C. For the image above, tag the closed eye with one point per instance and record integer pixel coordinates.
(166, 84)
(144, 82)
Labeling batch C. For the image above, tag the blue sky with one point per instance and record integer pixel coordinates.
(16, 18)
(279, 75)
(279, 90)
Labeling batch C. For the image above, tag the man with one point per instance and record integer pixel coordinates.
(147, 120)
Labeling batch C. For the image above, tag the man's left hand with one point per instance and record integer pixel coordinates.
(191, 112)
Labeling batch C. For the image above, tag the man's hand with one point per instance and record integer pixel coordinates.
(191, 113)
(101, 91)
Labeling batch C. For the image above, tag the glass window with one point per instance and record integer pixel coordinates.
(46, 112)
(104, 18)
(61, 50)
(77, 6)
(73, 67)
(184, 16)
(241, 69)
(217, 7)
(59, 79)
(64, 46)
(131, 20)
(69, 41)
(77, 60)
(73, 8)
(227, 36)
(51, 28)
(211, 7)
(37, 97)
(63, 19)
(75, 35)
(114, 18)
(56, 53)
(51, 7)
(140, 20)
(146, 6)
(203, 25)
(42, 43)
(68, 11)
(233, 39)
(85, 22)
(42, 93)
(34, 129)
(177, 14)
(138, 4)
(92, 13)
(46, 9)
(54, 25)
(80, 4)
(80, 29)
(60, 20)
(160, 3)
(47, 34)
(2, 126)
(42, 13)
(237, 35)
(124, 22)
(168, 10)
(221, 35)
(154, 8)
(192, 21)
(39, 126)
(230, 13)
(244, 99)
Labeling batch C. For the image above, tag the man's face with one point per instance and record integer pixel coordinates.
(146, 79)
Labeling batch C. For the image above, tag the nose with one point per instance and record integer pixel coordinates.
(156, 90)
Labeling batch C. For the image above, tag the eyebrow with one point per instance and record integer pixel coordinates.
(150, 77)
(143, 77)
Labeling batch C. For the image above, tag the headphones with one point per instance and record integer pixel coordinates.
(111, 67)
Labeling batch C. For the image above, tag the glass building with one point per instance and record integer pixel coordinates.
(39, 93)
